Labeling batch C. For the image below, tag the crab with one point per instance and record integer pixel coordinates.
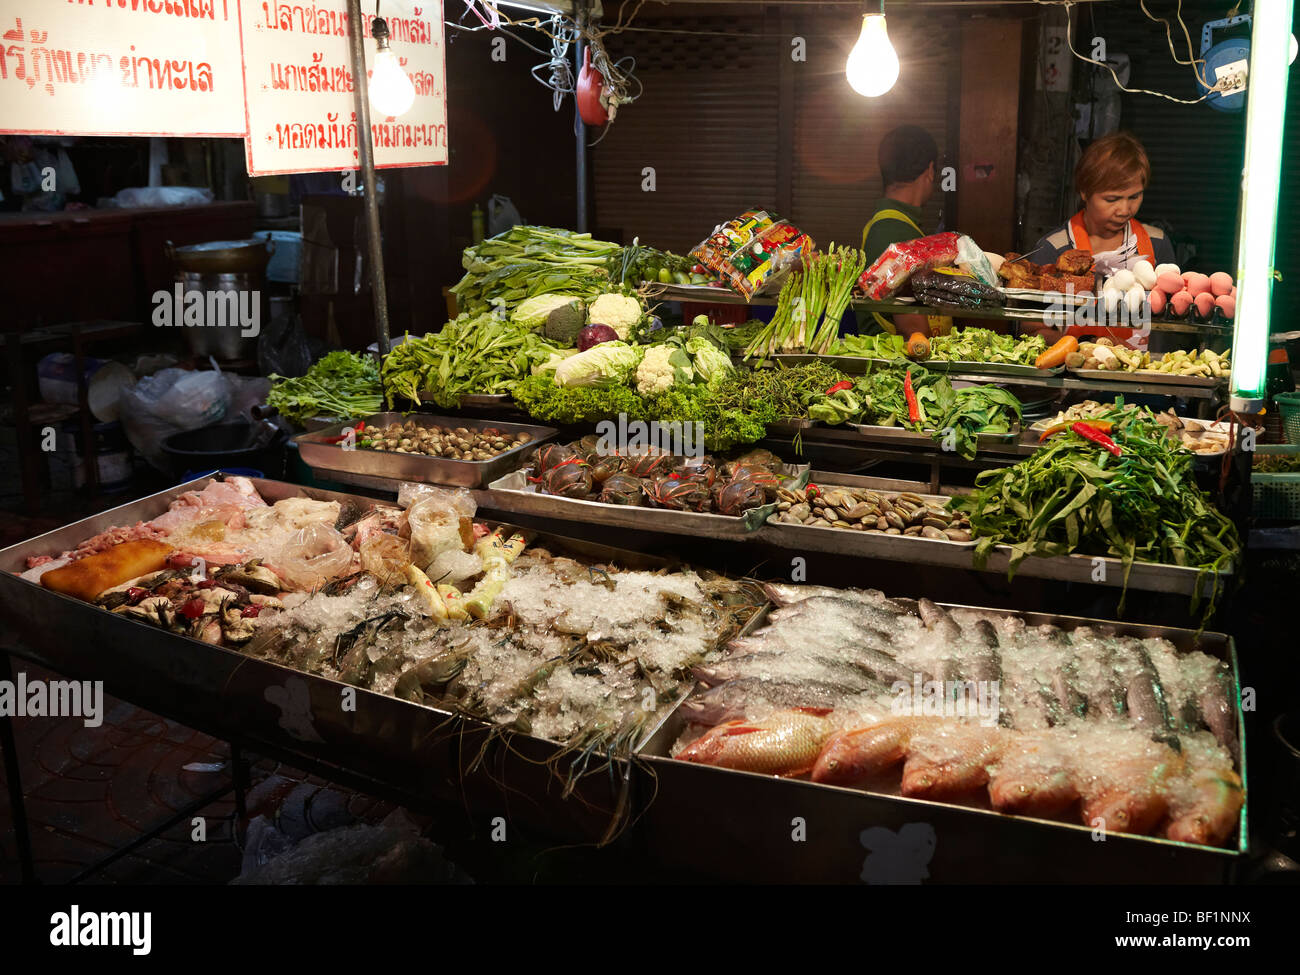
(673, 492)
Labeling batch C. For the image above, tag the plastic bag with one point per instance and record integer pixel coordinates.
(899, 262)
(386, 557)
(409, 492)
(163, 196)
(753, 252)
(502, 215)
(436, 526)
(168, 402)
(313, 556)
(245, 393)
(972, 259)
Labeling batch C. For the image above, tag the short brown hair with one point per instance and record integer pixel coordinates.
(1111, 162)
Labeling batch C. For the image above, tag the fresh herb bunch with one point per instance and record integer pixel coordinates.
(471, 356)
(1071, 495)
(985, 345)
(340, 384)
(527, 261)
(778, 394)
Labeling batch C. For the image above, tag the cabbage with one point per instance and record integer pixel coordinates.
(711, 364)
(532, 312)
(607, 364)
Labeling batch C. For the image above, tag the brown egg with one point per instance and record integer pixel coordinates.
(1197, 284)
(1227, 304)
(1204, 304)
(1220, 283)
(1157, 298)
(1180, 302)
(1169, 283)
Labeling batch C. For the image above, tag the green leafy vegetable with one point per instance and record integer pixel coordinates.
(341, 384)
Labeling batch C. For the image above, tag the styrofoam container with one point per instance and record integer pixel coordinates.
(284, 259)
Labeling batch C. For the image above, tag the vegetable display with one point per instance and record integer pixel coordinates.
(959, 345)
(823, 288)
(1105, 354)
(882, 346)
(1074, 496)
(456, 443)
(470, 356)
(526, 261)
(341, 384)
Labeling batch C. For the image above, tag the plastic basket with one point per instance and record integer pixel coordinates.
(1288, 405)
(1276, 496)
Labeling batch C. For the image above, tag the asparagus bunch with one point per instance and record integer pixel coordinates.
(811, 303)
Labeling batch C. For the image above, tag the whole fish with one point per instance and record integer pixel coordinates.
(785, 743)
(736, 698)
(855, 755)
(1065, 688)
(1110, 699)
(1146, 698)
(1127, 792)
(950, 760)
(1205, 803)
(1033, 778)
(985, 661)
(938, 619)
(827, 630)
(789, 666)
(1217, 705)
(786, 594)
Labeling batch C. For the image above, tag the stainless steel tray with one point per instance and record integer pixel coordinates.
(477, 399)
(425, 752)
(899, 547)
(899, 435)
(991, 368)
(702, 825)
(321, 456)
(1148, 378)
(856, 365)
(513, 494)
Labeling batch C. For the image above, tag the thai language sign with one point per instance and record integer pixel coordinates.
(299, 83)
(121, 67)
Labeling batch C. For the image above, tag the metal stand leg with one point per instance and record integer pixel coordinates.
(13, 782)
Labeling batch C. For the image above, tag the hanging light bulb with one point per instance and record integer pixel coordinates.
(391, 91)
(872, 67)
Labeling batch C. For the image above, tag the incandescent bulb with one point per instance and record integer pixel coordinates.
(872, 67)
(391, 91)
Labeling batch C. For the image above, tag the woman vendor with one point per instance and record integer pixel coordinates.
(1111, 178)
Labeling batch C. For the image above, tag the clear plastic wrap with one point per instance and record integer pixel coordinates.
(409, 492)
(899, 262)
(436, 525)
(313, 556)
(385, 556)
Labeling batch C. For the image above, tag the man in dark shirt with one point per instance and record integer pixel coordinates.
(908, 160)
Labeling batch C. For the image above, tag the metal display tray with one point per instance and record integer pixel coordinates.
(899, 435)
(899, 547)
(513, 494)
(475, 400)
(372, 464)
(856, 365)
(965, 843)
(426, 753)
(1142, 377)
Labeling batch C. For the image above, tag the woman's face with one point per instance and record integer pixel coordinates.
(1109, 211)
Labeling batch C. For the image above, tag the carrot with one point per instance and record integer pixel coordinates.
(1055, 356)
(918, 346)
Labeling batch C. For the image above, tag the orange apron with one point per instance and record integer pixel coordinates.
(1081, 240)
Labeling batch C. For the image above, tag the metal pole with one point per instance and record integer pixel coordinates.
(580, 128)
(366, 149)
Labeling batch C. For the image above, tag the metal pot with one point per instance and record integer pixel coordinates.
(222, 256)
(217, 268)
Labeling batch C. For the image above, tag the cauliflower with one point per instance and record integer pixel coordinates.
(620, 312)
(661, 367)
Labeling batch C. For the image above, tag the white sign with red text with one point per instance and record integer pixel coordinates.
(121, 67)
(299, 84)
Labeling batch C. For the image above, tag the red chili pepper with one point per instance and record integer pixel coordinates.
(360, 426)
(1096, 436)
(913, 407)
(843, 384)
(811, 491)
(135, 594)
(252, 609)
(1105, 426)
(193, 608)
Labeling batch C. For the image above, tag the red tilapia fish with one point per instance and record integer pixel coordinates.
(785, 743)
